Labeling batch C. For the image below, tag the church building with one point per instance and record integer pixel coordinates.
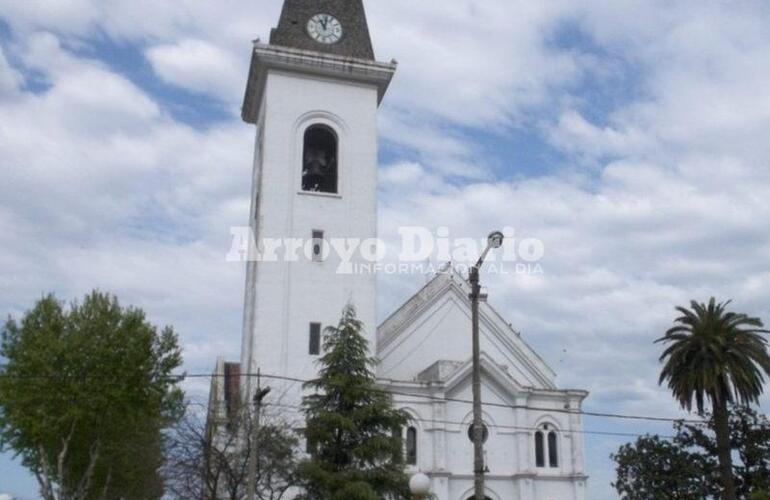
(313, 93)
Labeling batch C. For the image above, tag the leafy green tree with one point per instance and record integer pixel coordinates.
(84, 396)
(717, 355)
(656, 468)
(351, 423)
(749, 440)
(686, 466)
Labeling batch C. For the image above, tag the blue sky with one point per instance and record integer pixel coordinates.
(631, 138)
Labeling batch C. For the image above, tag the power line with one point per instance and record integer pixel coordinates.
(490, 425)
(498, 426)
(487, 424)
(570, 411)
(509, 406)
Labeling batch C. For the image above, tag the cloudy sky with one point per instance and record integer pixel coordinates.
(631, 137)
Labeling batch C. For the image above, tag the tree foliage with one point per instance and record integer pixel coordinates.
(749, 434)
(351, 424)
(714, 354)
(686, 466)
(84, 395)
(719, 355)
(654, 467)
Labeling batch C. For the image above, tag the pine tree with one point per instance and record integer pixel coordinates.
(352, 426)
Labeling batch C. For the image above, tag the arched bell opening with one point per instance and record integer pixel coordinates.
(320, 160)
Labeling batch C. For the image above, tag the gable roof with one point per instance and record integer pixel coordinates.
(450, 290)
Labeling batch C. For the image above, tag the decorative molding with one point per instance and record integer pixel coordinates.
(265, 58)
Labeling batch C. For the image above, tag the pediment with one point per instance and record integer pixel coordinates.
(490, 372)
(435, 325)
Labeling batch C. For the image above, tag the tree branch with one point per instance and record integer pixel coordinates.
(60, 462)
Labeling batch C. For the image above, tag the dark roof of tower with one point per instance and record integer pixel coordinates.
(292, 27)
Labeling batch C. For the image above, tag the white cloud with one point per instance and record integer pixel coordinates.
(199, 66)
(84, 92)
(70, 16)
(10, 79)
(479, 64)
(575, 134)
(102, 188)
(413, 178)
(617, 260)
(701, 71)
(138, 20)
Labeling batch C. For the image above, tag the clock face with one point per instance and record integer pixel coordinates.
(324, 28)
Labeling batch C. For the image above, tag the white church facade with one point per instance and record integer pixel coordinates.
(534, 445)
(313, 93)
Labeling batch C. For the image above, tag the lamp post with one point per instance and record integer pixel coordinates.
(495, 240)
(254, 451)
(419, 486)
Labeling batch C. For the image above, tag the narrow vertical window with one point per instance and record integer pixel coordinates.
(311, 446)
(319, 160)
(315, 339)
(553, 452)
(539, 451)
(411, 446)
(318, 246)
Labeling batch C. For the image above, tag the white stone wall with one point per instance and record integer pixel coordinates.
(446, 454)
(425, 349)
(282, 298)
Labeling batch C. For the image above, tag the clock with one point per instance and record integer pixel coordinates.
(324, 28)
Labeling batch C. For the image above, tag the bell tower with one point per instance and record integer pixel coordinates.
(313, 93)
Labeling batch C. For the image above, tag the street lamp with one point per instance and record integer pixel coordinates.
(495, 240)
(419, 486)
(254, 451)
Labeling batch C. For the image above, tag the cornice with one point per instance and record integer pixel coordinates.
(268, 57)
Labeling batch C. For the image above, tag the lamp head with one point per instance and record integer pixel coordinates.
(495, 240)
(419, 484)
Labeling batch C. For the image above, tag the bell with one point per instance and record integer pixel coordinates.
(319, 170)
(316, 163)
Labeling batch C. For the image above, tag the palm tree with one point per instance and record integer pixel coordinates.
(717, 355)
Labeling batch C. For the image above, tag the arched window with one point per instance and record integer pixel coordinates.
(411, 446)
(553, 452)
(539, 450)
(546, 445)
(319, 160)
